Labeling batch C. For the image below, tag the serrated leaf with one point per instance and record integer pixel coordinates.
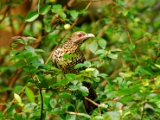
(44, 9)
(30, 94)
(93, 47)
(17, 98)
(102, 43)
(32, 16)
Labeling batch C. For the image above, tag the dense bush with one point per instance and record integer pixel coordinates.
(123, 60)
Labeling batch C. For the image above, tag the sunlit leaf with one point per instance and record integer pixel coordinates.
(17, 98)
(44, 9)
(32, 16)
(102, 43)
(93, 46)
(84, 90)
(30, 94)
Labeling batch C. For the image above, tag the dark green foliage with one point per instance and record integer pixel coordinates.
(123, 63)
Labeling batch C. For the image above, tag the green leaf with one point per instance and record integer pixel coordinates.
(86, 115)
(130, 90)
(112, 55)
(39, 50)
(95, 73)
(107, 21)
(79, 65)
(102, 43)
(30, 48)
(32, 59)
(70, 76)
(31, 38)
(30, 94)
(93, 47)
(20, 64)
(47, 26)
(66, 56)
(125, 12)
(62, 14)
(17, 98)
(144, 70)
(131, 46)
(32, 16)
(97, 79)
(115, 50)
(65, 95)
(84, 90)
(61, 83)
(52, 103)
(58, 9)
(74, 13)
(100, 51)
(44, 9)
(29, 107)
(67, 105)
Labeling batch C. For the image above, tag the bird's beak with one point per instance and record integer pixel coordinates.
(90, 35)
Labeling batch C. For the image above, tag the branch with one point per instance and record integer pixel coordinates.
(75, 113)
(96, 104)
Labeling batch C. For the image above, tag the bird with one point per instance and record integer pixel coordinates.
(70, 47)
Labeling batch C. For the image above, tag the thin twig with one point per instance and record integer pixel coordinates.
(96, 104)
(13, 100)
(75, 113)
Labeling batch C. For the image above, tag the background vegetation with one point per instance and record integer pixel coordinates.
(123, 60)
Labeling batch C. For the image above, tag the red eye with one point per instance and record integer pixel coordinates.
(79, 35)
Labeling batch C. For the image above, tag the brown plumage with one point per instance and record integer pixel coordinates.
(71, 46)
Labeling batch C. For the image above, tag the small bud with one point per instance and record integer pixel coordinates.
(67, 26)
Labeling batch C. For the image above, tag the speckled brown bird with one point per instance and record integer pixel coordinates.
(70, 47)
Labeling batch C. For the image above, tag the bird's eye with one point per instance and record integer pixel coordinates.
(79, 35)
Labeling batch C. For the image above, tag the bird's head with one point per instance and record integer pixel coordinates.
(80, 36)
